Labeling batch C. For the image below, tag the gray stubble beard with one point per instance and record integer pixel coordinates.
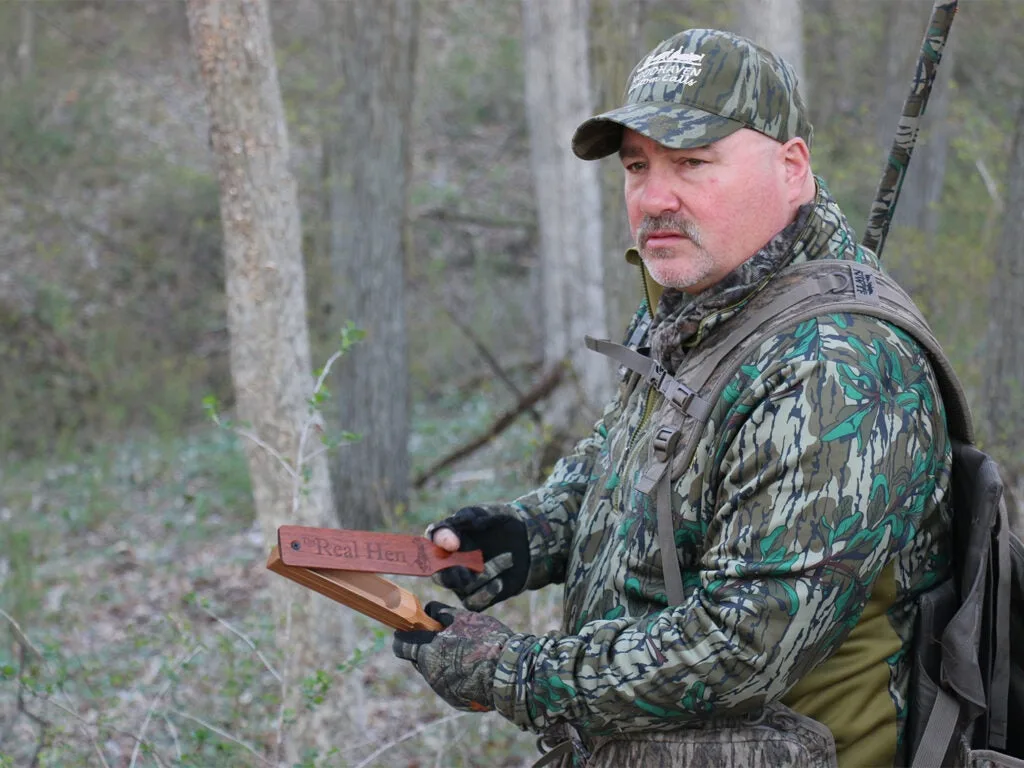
(685, 227)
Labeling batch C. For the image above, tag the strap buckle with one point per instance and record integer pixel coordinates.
(674, 391)
(665, 441)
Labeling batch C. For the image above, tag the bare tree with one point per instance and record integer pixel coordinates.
(270, 353)
(1003, 404)
(568, 195)
(615, 48)
(777, 25)
(373, 53)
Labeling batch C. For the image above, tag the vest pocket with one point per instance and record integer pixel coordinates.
(777, 738)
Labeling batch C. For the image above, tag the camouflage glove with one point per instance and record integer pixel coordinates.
(502, 538)
(459, 661)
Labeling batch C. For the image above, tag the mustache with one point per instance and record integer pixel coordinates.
(668, 222)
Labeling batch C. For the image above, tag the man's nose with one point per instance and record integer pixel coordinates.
(659, 194)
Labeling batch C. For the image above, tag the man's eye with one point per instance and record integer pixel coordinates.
(635, 167)
(693, 162)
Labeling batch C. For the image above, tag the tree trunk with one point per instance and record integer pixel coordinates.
(1004, 345)
(905, 28)
(270, 354)
(615, 48)
(26, 46)
(777, 25)
(839, 61)
(568, 195)
(373, 52)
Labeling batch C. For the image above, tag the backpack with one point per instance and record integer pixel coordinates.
(966, 694)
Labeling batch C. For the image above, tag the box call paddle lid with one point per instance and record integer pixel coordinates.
(369, 551)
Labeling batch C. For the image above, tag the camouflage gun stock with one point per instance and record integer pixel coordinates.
(884, 205)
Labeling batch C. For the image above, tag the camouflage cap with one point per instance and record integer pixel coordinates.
(697, 87)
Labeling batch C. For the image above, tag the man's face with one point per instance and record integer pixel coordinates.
(697, 214)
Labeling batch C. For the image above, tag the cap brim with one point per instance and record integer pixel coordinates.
(669, 124)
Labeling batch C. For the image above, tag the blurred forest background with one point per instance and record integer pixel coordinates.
(442, 221)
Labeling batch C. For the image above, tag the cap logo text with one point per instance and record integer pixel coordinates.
(671, 66)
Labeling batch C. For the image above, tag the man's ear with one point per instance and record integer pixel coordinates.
(796, 156)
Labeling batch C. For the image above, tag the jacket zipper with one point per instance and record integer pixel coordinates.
(649, 401)
(651, 391)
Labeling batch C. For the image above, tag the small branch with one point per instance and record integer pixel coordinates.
(84, 725)
(273, 452)
(491, 361)
(990, 183)
(223, 734)
(410, 735)
(156, 700)
(475, 379)
(245, 639)
(44, 725)
(327, 369)
(279, 733)
(174, 735)
(545, 387)
(21, 634)
(304, 433)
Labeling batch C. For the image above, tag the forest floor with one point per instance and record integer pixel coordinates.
(137, 626)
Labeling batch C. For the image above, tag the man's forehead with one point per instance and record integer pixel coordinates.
(634, 143)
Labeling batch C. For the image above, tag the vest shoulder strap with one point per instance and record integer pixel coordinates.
(796, 294)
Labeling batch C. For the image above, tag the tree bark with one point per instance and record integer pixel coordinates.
(373, 52)
(270, 353)
(905, 23)
(615, 49)
(1004, 344)
(26, 46)
(777, 25)
(568, 195)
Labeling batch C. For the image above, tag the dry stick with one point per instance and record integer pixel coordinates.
(411, 734)
(156, 700)
(279, 733)
(473, 380)
(304, 434)
(257, 441)
(174, 734)
(245, 639)
(44, 725)
(294, 472)
(545, 387)
(491, 361)
(223, 734)
(84, 725)
(21, 634)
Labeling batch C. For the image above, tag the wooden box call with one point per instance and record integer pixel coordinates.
(343, 565)
(367, 593)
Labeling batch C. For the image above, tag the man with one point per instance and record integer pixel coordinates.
(812, 514)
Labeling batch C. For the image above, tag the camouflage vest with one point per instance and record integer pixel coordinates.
(965, 688)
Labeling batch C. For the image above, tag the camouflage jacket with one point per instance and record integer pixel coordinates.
(814, 509)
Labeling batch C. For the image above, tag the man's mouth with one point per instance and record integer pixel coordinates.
(662, 239)
(668, 231)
